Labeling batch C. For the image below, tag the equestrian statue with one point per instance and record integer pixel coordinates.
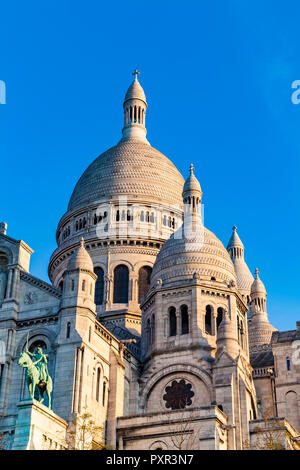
(36, 373)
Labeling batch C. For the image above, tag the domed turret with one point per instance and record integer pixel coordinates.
(135, 91)
(135, 106)
(81, 259)
(260, 330)
(79, 280)
(192, 186)
(192, 248)
(192, 194)
(257, 288)
(236, 250)
(227, 337)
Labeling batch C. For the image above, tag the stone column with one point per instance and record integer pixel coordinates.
(77, 380)
(178, 325)
(116, 395)
(8, 286)
(214, 324)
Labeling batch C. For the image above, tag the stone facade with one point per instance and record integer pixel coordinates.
(149, 323)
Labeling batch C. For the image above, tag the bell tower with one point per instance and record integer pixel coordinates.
(135, 106)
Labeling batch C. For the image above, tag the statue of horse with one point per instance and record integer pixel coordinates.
(32, 374)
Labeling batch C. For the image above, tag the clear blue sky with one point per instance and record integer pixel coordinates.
(217, 76)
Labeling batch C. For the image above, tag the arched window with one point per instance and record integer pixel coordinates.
(98, 384)
(68, 331)
(121, 283)
(144, 282)
(142, 216)
(288, 364)
(83, 285)
(61, 285)
(208, 315)
(99, 286)
(172, 321)
(220, 313)
(292, 411)
(72, 284)
(184, 320)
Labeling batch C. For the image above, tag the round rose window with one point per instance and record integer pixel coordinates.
(178, 395)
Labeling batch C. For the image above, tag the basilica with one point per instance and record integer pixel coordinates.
(148, 322)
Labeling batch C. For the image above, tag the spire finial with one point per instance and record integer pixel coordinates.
(234, 228)
(192, 169)
(135, 73)
(257, 273)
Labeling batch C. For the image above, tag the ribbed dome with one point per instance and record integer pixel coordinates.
(181, 257)
(131, 168)
(135, 91)
(81, 259)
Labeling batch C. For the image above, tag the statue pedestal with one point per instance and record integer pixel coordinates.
(38, 428)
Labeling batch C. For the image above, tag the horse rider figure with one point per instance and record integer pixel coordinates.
(40, 361)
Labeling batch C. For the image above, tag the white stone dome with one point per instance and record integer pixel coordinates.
(181, 257)
(134, 169)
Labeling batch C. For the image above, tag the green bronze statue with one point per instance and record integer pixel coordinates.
(36, 373)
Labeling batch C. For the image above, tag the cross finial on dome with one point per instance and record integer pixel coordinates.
(135, 73)
(82, 242)
(234, 228)
(192, 169)
(257, 273)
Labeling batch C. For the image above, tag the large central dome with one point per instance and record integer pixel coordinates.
(132, 168)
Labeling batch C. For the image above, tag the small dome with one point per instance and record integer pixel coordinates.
(192, 184)
(135, 91)
(182, 256)
(257, 286)
(81, 259)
